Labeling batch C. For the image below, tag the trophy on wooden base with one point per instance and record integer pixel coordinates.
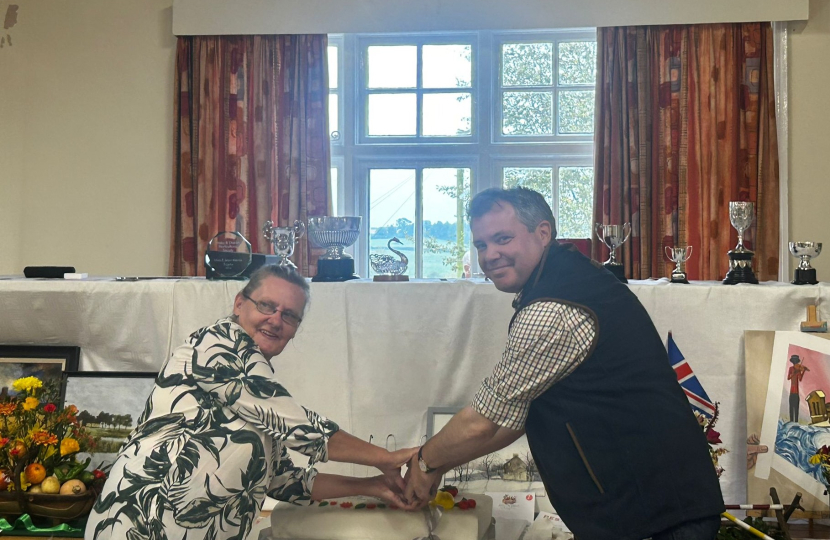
(805, 274)
(679, 256)
(334, 234)
(614, 236)
(741, 215)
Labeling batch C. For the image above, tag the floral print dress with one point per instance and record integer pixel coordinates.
(211, 443)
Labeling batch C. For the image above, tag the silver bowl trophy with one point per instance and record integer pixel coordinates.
(284, 239)
(614, 236)
(741, 215)
(387, 267)
(334, 234)
(805, 274)
(679, 256)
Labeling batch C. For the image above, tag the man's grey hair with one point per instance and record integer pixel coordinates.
(530, 206)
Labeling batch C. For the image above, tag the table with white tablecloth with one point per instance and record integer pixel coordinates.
(375, 356)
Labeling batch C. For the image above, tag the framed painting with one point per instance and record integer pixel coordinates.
(109, 405)
(510, 469)
(47, 363)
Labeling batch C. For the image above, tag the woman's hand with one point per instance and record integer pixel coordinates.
(392, 463)
(384, 487)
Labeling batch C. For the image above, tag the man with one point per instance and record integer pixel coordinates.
(586, 376)
(795, 375)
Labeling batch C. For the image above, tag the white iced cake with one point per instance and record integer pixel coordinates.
(369, 519)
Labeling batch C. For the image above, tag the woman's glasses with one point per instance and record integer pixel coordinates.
(267, 308)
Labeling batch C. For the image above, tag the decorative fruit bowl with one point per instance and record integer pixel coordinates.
(62, 507)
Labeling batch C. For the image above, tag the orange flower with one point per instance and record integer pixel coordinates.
(7, 409)
(72, 410)
(44, 437)
(4, 441)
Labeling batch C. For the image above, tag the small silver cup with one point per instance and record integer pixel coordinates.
(805, 274)
(614, 236)
(678, 256)
(283, 240)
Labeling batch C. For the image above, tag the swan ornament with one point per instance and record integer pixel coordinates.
(387, 265)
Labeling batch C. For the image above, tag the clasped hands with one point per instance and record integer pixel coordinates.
(410, 492)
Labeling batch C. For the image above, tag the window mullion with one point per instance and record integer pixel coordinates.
(419, 221)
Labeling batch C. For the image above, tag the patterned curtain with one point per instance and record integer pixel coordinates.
(251, 142)
(685, 123)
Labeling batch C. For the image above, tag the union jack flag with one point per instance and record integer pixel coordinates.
(688, 381)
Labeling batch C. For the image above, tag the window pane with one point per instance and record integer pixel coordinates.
(447, 114)
(392, 114)
(577, 62)
(576, 111)
(332, 56)
(333, 114)
(445, 230)
(536, 178)
(576, 201)
(334, 188)
(447, 66)
(527, 113)
(393, 66)
(527, 64)
(392, 215)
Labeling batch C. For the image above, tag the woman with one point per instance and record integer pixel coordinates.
(213, 438)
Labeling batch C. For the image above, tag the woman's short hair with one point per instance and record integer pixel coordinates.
(530, 206)
(289, 274)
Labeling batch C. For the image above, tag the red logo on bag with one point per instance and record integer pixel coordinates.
(529, 497)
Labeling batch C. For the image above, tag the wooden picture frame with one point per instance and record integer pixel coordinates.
(47, 363)
(109, 404)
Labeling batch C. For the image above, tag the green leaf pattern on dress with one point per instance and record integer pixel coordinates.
(212, 441)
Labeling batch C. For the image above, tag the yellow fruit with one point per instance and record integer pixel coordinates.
(35, 489)
(51, 484)
(35, 473)
(444, 499)
(73, 487)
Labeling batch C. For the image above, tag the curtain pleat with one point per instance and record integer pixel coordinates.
(244, 153)
(685, 123)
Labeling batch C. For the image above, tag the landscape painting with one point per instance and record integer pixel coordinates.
(109, 405)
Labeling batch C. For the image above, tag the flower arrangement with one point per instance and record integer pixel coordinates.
(822, 458)
(712, 437)
(39, 443)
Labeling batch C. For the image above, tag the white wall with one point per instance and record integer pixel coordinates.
(810, 133)
(86, 135)
(86, 102)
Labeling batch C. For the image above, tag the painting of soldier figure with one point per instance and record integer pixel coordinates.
(510, 469)
(109, 406)
(787, 381)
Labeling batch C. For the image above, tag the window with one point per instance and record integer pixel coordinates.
(427, 120)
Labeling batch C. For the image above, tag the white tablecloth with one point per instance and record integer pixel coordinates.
(375, 356)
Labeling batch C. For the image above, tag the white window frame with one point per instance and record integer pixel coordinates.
(484, 152)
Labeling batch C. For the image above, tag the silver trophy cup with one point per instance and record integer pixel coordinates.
(805, 274)
(679, 256)
(741, 215)
(334, 234)
(283, 240)
(614, 236)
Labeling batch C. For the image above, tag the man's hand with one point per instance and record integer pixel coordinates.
(420, 486)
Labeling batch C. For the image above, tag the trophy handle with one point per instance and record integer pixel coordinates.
(299, 229)
(668, 252)
(599, 227)
(688, 252)
(628, 225)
